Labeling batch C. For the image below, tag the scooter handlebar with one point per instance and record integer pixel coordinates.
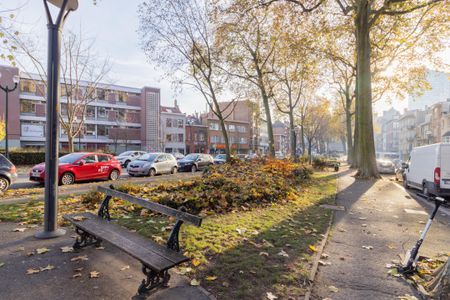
(439, 199)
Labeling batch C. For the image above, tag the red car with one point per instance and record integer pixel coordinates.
(81, 166)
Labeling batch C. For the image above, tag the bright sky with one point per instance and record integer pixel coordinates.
(114, 25)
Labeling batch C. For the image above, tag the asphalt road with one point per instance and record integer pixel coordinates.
(23, 181)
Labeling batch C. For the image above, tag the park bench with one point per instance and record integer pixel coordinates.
(156, 259)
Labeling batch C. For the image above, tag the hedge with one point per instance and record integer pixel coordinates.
(28, 158)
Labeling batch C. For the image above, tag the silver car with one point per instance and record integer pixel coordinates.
(126, 157)
(151, 164)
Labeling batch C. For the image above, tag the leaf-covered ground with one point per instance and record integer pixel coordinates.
(244, 249)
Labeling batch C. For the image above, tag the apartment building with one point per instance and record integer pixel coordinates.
(239, 126)
(196, 135)
(387, 133)
(408, 123)
(173, 130)
(117, 118)
(281, 138)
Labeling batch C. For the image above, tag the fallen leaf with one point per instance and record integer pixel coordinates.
(342, 230)
(324, 255)
(407, 297)
(66, 249)
(362, 218)
(283, 253)
(124, 268)
(241, 231)
(392, 246)
(195, 282)
(94, 274)
(79, 218)
(333, 289)
(32, 271)
(363, 225)
(264, 254)
(2, 264)
(184, 271)
(367, 247)
(157, 238)
(20, 249)
(79, 258)
(19, 229)
(42, 250)
(76, 275)
(324, 263)
(225, 284)
(100, 248)
(271, 296)
(47, 268)
(196, 262)
(312, 248)
(78, 269)
(211, 278)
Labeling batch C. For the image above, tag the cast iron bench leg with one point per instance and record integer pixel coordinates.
(154, 279)
(85, 239)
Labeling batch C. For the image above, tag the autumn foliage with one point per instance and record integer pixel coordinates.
(227, 187)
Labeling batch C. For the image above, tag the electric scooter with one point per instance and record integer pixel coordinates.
(409, 263)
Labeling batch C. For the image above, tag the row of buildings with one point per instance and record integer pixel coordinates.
(123, 118)
(425, 121)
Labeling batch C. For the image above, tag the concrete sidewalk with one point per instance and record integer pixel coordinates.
(119, 277)
(378, 214)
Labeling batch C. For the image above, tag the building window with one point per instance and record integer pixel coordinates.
(214, 139)
(214, 126)
(90, 112)
(27, 107)
(231, 128)
(28, 86)
(180, 137)
(168, 137)
(101, 94)
(241, 128)
(180, 123)
(102, 112)
(102, 130)
(201, 137)
(123, 96)
(168, 122)
(243, 140)
(90, 130)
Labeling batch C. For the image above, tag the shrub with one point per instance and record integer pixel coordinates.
(228, 187)
(28, 158)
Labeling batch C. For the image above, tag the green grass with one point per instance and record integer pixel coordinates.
(230, 246)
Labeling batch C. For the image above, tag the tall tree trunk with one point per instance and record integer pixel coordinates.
(367, 167)
(269, 125)
(225, 137)
(292, 135)
(302, 138)
(348, 123)
(70, 142)
(309, 151)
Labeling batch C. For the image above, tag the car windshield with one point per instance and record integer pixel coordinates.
(148, 157)
(128, 153)
(191, 157)
(221, 156)
(70, 158)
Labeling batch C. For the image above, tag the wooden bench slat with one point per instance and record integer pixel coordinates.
(148, 252)
(197, 221)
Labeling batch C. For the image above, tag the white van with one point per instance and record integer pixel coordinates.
(429, 169)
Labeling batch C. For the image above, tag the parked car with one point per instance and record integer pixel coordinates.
(178, 155)
(151, 164)
(126, 157)
(385, 166)
(8, 173)
(429, 170)
(195, 161)
(81, 166)
(220, 159)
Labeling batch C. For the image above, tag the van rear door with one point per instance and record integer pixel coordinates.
(445, 166)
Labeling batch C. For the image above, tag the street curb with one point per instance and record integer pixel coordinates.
(315, 267)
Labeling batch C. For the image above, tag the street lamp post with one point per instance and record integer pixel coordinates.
(7, 90)
(53, 94)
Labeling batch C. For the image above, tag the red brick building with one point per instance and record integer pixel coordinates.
(196, 136)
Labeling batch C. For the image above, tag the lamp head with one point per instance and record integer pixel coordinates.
(16, 78)
(71, 4)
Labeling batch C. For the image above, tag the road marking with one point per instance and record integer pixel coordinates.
(415, 212)
(442, 210)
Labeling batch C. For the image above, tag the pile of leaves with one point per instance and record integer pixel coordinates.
(428, 273)
(223, 188)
